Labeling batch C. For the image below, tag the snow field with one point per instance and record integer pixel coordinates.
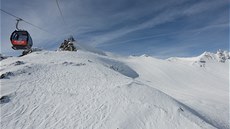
(85, 90)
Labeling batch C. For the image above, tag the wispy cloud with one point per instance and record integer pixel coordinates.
(168, 14)
(102, 22)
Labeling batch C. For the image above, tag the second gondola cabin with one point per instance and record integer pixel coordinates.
(21, 40)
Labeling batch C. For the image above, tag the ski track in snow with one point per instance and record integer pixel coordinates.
(78, 90)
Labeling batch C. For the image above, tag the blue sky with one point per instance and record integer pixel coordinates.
(161, 28)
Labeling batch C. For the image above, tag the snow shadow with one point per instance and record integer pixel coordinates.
(18, 63)
(4, 99)
(120, 67)
(73, 64)
(216, 125)
(6, 75)
(25, 70)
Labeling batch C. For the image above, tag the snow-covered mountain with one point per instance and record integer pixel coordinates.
(92, 90)
(219, 56)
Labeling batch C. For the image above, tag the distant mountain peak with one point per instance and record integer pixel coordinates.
(144, 55)
(219, 56)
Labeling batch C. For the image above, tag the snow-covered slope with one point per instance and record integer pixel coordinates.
(203, 87)
(85, 90)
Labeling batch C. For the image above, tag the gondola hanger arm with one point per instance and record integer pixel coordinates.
(18, 20)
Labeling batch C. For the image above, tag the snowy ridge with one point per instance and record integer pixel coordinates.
(219, 56)
(82, 89)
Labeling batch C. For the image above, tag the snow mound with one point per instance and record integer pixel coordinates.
(77, 90)
(146, 107)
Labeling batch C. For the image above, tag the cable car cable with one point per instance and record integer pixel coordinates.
(62, 16)
(60, 12)
(9, 14)
(25, 21)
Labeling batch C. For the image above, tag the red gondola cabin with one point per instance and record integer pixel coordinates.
(21, 39)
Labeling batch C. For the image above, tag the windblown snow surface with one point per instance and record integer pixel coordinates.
(85, 90)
